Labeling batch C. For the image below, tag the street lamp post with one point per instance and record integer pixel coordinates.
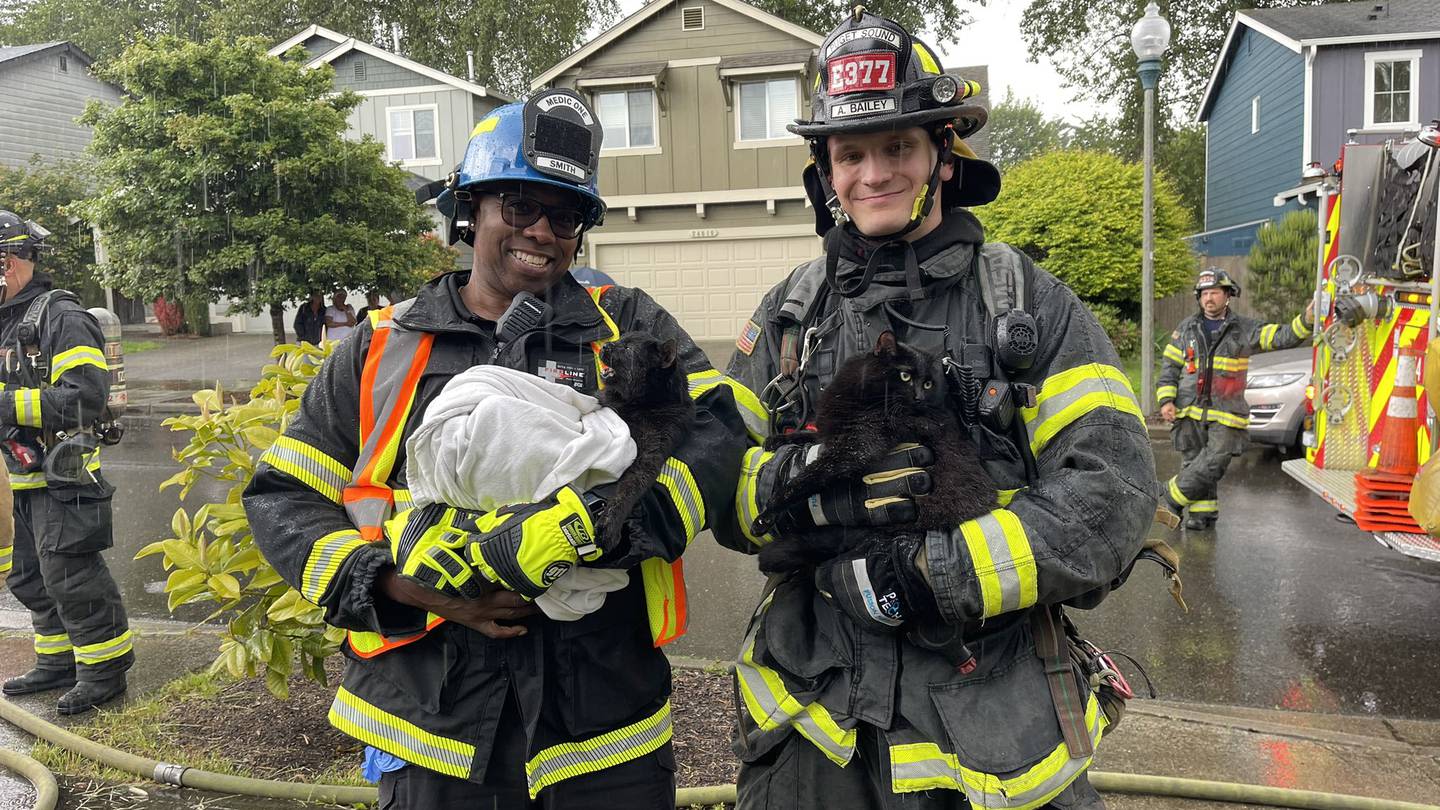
(1150, 38)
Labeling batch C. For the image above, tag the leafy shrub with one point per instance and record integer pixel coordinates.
(1078, 214)
(212, 556)
(1282, 266)
(1123, 332)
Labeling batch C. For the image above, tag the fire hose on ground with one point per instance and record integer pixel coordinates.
(172, 774)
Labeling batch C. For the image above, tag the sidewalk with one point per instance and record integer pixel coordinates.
(1369, 756)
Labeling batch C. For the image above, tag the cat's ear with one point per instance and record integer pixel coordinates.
(885, 344)
(668, 353)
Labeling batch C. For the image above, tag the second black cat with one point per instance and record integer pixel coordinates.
(876, 401)
(646, 386)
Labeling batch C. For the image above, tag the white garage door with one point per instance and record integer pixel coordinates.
(711, 286)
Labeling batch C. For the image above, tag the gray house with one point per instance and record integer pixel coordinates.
(1289, 87)
(46, 89)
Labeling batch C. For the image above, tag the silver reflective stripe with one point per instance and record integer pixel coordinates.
(289, 456)
(679, 482)
(325, 558)
(98, 653)
(400, 347)
(421, 749)
(573, 759)
(1005, 569)
(368, 511)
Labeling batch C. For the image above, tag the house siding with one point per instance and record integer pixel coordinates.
(1338, 88)
(454, 120)
(726, 33)
(379, 74)
(1244, 170)
(40, 105)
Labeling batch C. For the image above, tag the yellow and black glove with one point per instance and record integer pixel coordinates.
(523, 548)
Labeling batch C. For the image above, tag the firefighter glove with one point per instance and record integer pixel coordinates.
(429, 546)
(527, 547)
(878, 583)
(882, 496)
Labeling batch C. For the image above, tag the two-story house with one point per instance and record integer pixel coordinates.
(46, 88)
(706, 210)
(1289, 87)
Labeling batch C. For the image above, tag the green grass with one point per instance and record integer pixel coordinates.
(133, 346)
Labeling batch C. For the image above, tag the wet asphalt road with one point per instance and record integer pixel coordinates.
(1289, 607)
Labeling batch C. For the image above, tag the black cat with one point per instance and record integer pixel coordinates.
(893, 395)
(647, 387)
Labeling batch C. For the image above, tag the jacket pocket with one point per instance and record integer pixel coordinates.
(1000, 719)
(78, 519)
(802, 635)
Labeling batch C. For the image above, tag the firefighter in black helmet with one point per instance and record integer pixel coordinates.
(1201, 390)
(55, 384)
(845, 700)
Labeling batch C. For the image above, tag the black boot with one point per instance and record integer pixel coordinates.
(1199, 523)
(39, 680)
(88, 694)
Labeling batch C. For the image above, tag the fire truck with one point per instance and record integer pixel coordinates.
(1369, 422)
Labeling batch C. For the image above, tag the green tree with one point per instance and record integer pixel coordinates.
(938, 22)
(225, 174)
(46, 193)
(534, 34)
(1078, 214)
(1282, 266)
(1020, 130)
(1090, 44)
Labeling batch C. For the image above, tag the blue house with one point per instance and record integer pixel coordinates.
(1290, 86)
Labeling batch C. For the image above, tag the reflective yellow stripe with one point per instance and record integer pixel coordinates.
(399, 737)
(1298, 326)
(58, 644)
(7, 557)
(1230, 363)
(664, 609)
(76, 357)
(30, 480)
(1172, 352)
(685, 495)
(746, 504)
(403, 499)
(1165, 392)
(1267, 336)
(326, 557)
(560, 762)
(757, 419)
(310, 466)
(1005, 496)
(1205, 506)
(927, 59)
(1175, 493)
(1213, 415)
(1003, 561)
(924, 766)
(105, 650)
(1071, 394)
(27, 407)
(771, 706)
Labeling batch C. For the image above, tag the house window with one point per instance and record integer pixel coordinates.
(1254, 115)
(412, 136)
(692, 18)
(64, 64)
(628, 118)
(765, 108)
(1392, 90)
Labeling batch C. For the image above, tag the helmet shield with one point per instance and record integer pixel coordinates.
(562, 137)
(873, 75)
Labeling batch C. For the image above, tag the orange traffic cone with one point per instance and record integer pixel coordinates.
(1395, 474)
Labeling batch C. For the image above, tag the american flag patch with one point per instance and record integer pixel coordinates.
(748, 336)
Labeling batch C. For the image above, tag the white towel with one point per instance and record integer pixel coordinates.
(496, 436)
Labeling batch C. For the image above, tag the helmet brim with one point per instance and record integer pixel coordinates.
(968, 118)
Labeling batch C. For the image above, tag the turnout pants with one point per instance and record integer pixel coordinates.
(796, 776)
(643, 783)
(60, 576)
(1205, 450)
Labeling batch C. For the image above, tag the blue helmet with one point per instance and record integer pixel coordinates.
(554, 139)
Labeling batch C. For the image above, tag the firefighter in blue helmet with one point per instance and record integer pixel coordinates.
(1201, 391)
(465, 695)
(55, 385)
(844, 699)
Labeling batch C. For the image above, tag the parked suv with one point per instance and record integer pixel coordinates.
(1275, 390)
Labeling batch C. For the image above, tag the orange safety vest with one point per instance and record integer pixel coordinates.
(389, 379)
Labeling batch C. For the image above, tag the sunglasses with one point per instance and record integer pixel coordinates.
(521, 212)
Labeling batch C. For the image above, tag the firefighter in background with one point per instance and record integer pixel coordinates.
(1201, 390)
(53, 388)
(840, 704)
(482, 711)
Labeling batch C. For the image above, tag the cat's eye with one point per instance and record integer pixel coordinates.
(904, 376)
(929, 385)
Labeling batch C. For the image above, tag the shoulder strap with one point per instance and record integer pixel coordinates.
(1005, 276)
(802, 297)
